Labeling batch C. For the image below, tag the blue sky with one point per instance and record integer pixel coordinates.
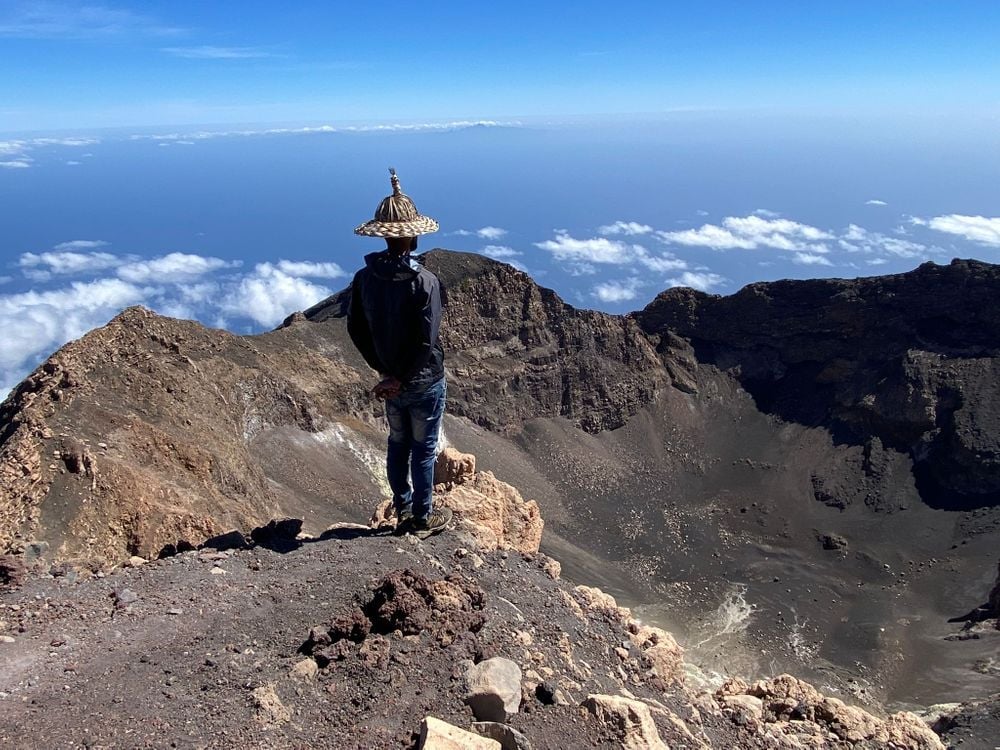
(91, 64)
(210, 159)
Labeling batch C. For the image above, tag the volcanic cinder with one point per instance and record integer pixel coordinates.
(803, 476)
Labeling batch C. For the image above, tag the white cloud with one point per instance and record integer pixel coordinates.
(629, 228)
(449, 125)
(860, 240)
(311, 269)
(749, 233)
(73, 141)
(208, 52)
(766, 213)
(594, 250)
(660, 263)
(709, 235)
(35, 323)
(500, 252)
(40, 266)
(491, 233)
(505, 254)
(811, 259)
(702, 281)
(486, 233)
(980, 229)
(617, 291)
(171, 268)
(80, 245)
(73, 163)
(583, 254)
(875, 202)
(61, 20)
(269, 295)
(16, 152)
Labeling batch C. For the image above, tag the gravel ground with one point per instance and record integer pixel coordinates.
(198, 651)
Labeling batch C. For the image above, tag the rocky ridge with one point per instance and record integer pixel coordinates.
(905, 363)
(665, 430)
(424, 644)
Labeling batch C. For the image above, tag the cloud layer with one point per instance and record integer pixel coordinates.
(17, 153)
(92, 284)
(978, 229)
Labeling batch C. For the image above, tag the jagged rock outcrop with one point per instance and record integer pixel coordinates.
(908, 361)
(491, 512)
(792, 709)
(517, 351)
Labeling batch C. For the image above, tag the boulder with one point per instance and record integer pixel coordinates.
(660, 652)
(753, 707)
(493, 689)
(453, 468)
(440, 735)
(785, 703)
(495, 514)
(280, 534)
(508, 737)
(306, 669)
(629, 719)
(270, 710)
(595, 600)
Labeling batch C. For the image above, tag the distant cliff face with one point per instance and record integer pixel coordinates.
(909, 362)
(516, 351)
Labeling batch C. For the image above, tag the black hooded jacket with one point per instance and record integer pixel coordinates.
(394, 319)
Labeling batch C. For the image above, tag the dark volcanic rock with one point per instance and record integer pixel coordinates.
(517, 351)
(972, 727)
(278, 534)
(13, 571)
(910, 359)
(993, 604)
(404, 602)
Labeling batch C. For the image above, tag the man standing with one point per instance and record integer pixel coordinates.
(393, 320)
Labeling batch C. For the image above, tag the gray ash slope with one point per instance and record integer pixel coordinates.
(799, 477)
(207, 649)
(827, 451)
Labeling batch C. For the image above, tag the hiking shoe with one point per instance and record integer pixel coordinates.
(404, 523)
(435, 523)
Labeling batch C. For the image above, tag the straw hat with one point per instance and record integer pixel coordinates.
(396, 216)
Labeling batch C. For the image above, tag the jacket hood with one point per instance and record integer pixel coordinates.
(391, 267)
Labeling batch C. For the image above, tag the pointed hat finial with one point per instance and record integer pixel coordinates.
(396, 216)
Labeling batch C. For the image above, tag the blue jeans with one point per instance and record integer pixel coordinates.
(414, 423)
